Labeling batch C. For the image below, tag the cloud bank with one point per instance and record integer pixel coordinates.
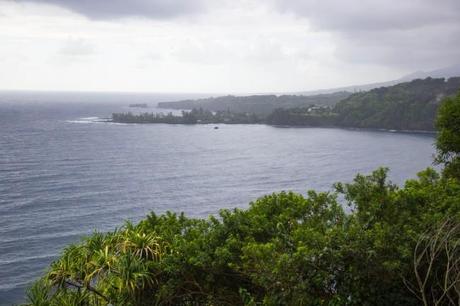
(113, 9)
(407, 33)
(222, 45)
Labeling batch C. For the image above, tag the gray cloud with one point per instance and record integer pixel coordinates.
(411, 34)
(240, 36)
(427, 47)
(371, 15)
(113, 9)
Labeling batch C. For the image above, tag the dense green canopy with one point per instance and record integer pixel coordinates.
(448, 140)
(406, 106)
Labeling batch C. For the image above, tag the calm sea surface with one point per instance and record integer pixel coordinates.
(64, 175)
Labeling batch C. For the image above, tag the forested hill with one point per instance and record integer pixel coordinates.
(260, 105)
(405, 106)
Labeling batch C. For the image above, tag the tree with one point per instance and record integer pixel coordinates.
(448, 139)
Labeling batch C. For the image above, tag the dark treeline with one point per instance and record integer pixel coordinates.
(308, 116)
(195, 116)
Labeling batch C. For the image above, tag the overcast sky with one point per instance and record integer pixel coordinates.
(220, 46)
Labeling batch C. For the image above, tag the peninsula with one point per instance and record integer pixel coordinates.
(405, 106)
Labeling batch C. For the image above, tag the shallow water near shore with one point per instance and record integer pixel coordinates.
(64, 174)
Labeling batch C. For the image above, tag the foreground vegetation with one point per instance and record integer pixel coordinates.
(391, 246)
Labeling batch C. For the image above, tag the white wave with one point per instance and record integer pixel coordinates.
(28, 258)
(79, 121)
(115, 123)
(89, 120)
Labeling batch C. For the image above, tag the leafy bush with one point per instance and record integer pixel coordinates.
(285, 249)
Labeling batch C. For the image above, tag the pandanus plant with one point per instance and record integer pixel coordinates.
(141, 244)
(111, 268)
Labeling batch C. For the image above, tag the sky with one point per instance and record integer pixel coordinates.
(221, 46)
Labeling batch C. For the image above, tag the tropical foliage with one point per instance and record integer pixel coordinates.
(448, 141)
(285, 249)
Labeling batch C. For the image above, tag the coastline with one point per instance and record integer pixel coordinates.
(406, 131)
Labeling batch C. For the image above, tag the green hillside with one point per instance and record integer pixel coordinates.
(406, 106)
(260, 105)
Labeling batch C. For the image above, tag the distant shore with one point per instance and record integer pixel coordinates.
(176, 121)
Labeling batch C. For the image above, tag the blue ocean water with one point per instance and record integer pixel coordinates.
(63, 174)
